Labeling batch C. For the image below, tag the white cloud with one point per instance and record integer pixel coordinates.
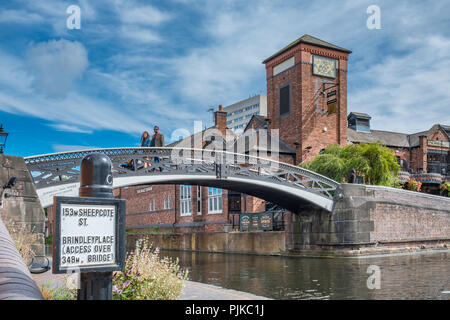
(73, 112)
(56, 65)
(139, 34)
(408, 93)
(69, 128)
(140, 22)
(19, 17)
(145, 15)
(397, 74)
(228, 67)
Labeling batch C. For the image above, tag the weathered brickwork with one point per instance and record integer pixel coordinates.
(399, 222)
(373, 216)
(407, 215)
(20, 203)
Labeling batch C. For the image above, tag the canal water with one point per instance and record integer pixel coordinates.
(419, 276)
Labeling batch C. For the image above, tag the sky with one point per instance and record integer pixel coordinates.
(135, 64)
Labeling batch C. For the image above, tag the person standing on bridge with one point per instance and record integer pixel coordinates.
(145, 142)
(145, 139)
(157, 141)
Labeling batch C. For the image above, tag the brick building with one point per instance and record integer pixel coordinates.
(423, 156)
(307, 95)
(306, 112)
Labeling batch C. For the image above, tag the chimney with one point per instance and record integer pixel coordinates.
(220, 120)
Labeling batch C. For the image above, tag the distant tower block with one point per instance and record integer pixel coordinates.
(307, 92)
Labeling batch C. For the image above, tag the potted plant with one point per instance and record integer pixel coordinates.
(414, 185)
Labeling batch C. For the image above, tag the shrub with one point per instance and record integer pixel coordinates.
(23, 238)
(147, 276)
(60, 293)
(373, 161)
(445, 188)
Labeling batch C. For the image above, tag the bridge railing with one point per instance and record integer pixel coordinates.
(54, 168)
(16, 282)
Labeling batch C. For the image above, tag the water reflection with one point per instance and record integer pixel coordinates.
(424, 276)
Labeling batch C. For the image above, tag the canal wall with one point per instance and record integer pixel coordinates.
(372, 219)
(20, 203)
(263, 243)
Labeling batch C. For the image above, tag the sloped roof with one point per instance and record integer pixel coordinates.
(189, 142)
(260, 140)
(306, 38)
(393, 139)
(359, 114)
(259, 118)
(446, 130)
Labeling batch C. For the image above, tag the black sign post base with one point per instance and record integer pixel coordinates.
(95, 286)
(96, 181)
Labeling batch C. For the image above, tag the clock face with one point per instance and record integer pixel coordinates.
(324, 66)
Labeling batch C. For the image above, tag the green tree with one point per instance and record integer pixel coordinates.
(375, 162)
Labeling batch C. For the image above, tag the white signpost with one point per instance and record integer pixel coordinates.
(87, 234)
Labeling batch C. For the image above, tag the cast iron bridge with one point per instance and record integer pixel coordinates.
(289, 186)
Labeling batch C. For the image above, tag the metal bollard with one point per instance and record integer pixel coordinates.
(16, 282)
(96, 182)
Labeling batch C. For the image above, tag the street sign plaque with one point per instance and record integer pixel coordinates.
(89, 234)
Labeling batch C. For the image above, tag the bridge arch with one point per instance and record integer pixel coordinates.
(288, 186)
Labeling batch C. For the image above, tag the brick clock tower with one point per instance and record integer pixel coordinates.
(307, 95)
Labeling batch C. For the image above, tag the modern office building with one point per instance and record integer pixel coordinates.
(240, 113)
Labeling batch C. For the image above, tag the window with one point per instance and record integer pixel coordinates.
(152, 205)
(185, 200)
(199, 200)
(285, 99)
(214, 200)
(437, 161)
(167, 203)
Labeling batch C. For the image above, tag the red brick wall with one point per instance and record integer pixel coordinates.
(138, 206)
(421, 217)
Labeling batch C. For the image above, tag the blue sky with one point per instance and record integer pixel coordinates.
(134, 64)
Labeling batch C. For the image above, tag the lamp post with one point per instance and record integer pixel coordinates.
(3, 137)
